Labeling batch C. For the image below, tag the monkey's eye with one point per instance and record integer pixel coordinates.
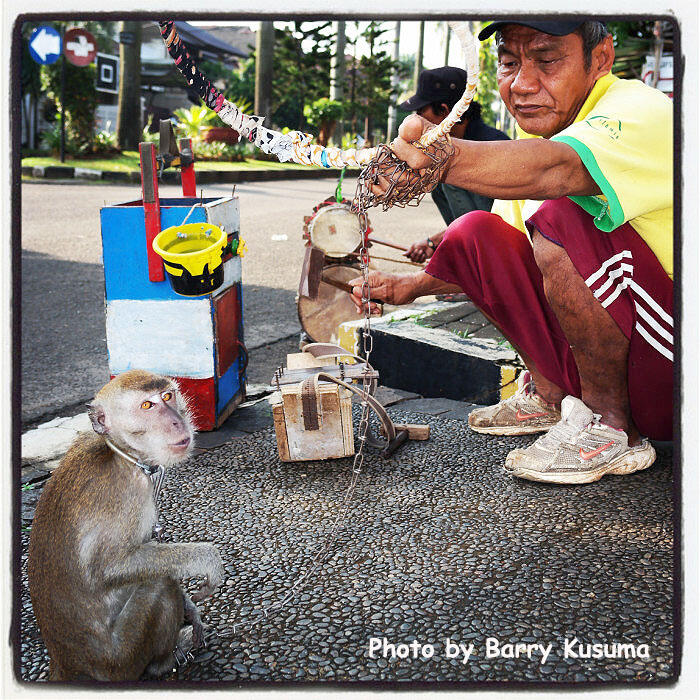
(146, 404)
(166, 396)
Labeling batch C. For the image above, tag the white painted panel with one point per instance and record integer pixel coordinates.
(171, 337)
(224, 213)
(232, 274)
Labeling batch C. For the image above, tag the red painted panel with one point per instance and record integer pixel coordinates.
(202, 398)
(227, 318)
(189, 183)
(151, 208)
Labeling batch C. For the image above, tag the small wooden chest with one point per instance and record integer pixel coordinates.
(329, 434)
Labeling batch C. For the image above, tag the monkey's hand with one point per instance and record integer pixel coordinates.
(213, 573)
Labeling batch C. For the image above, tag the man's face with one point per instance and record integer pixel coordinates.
(431, 115)
(542, 78)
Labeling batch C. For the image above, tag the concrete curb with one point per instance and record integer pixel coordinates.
(204, 177)
(434, 361)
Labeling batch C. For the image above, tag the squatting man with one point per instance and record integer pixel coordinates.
(574, 264)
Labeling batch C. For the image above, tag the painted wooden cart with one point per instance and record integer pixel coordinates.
(197, 340)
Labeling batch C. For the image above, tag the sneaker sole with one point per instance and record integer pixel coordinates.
(627, 463)
(510, 429)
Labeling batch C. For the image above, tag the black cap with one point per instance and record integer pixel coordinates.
(444, 84)
(553, 28)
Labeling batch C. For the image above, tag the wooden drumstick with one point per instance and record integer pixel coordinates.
(387, 243)
(344, 286)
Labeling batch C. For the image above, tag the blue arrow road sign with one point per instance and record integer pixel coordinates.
(45, 45)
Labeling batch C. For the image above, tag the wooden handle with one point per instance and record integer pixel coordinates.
(344, 286)
(416, 431)
(388, 244)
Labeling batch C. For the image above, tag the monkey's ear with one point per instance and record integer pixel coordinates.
(97, 418)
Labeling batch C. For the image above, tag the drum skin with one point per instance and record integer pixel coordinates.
(320, 317)
(335, 229)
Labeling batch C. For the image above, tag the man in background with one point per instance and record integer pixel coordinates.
(439, 90)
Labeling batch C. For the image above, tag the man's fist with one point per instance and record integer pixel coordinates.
(383, 286)
(411, 129)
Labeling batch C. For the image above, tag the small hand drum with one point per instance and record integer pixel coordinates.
(335, 229)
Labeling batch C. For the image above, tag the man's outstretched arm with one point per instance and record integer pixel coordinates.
(526, 169)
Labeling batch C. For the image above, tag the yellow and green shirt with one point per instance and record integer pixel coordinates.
(624, 137)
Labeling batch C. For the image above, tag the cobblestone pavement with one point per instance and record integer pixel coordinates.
(440, 543)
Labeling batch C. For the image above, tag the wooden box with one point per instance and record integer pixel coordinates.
(334, 436)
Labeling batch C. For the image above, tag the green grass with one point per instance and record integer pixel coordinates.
(128, 161)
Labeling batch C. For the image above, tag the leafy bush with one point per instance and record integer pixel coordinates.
(194, 120)
(105, 142)
(323, 111)
(147, 136)
(80, 100)
(222, 151)
(51, 140)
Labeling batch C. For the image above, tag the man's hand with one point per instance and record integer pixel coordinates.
(384, 286)
(411, 129)
(397, 289)
(420, 251)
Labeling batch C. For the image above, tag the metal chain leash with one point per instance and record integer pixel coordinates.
(404, 186)
(324, 551)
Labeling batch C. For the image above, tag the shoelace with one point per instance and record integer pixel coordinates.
(565, 433)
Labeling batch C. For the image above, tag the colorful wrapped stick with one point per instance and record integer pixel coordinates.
(296, 145)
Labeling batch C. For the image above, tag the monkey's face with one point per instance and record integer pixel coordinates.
(150, 422)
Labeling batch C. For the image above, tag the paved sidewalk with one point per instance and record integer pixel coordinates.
(439, 543)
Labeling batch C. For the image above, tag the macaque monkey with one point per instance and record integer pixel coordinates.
(105, 594)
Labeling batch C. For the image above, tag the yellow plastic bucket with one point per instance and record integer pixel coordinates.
(192, 257)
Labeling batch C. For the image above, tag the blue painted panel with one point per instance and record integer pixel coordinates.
(227, 386)
(124, 249)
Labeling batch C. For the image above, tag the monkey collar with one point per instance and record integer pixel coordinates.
(155, 473)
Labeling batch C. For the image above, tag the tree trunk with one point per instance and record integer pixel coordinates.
(448, 36)
(419, 56)
(391, 122)
(264, 48)
(370, 85)
(337, 91)
(129, 109)
(353, 82)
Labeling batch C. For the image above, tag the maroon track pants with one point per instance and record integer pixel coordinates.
(494, 264)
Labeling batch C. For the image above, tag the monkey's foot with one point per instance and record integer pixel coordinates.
(201, 634)
(185, 645)
(178, 657)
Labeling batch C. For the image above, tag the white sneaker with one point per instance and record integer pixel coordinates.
(523, 413)
(579, 449)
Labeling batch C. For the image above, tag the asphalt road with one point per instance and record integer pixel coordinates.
(64, 352)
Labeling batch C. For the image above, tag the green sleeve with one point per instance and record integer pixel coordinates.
(607, 215)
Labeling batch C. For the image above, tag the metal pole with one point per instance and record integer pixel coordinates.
(447, 44)
(63, 109)
(391, 122)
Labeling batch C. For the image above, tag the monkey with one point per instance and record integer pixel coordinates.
(105, 595)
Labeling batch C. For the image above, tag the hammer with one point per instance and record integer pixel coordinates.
(312, 275)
